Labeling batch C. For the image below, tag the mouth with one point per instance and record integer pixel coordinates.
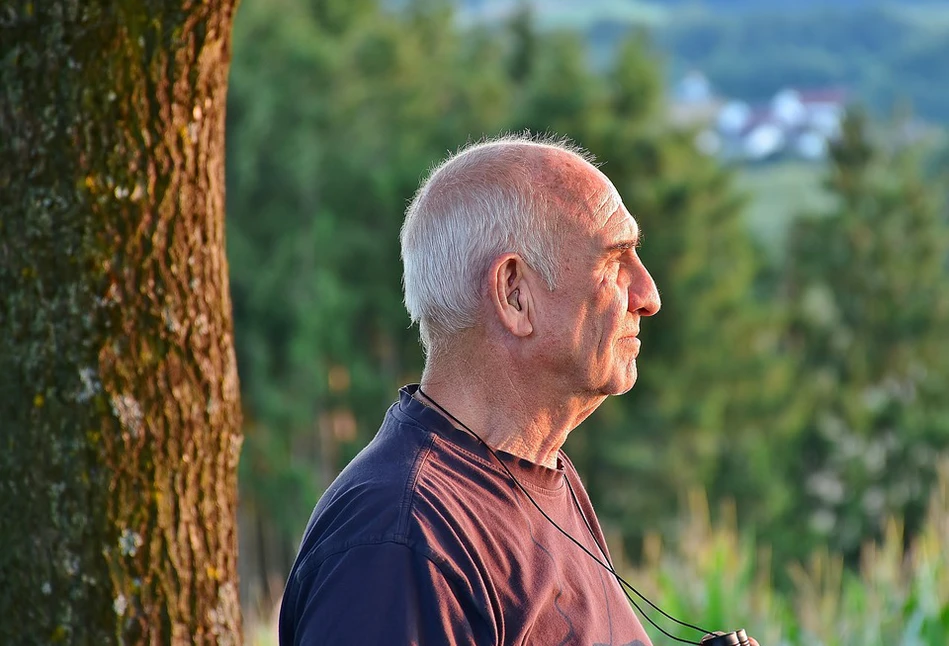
(634, 341)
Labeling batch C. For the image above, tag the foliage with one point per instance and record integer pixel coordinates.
(869, 329)
(717, 577)
(337, 110)
(325, 300)
(885, 53)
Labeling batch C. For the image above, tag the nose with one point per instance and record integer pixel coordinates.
(643, 293)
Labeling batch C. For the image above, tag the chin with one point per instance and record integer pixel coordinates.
(621, 384)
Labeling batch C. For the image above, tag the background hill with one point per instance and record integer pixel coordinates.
(888, 53)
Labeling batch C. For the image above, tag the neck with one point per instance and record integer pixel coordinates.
(509, 410)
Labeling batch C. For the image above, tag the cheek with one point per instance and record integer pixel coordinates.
(606, 317)
(610, 303)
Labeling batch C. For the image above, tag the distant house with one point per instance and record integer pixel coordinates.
(795, 123)
(763, 136)
(817, 116)
(694, 87)
(692, 102)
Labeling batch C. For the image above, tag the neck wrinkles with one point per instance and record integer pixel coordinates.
(505, 418)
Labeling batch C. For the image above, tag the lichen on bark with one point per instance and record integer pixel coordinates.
(119, 408)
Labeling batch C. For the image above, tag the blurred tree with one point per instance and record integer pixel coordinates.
(120, 405)
(523, 33)
(330, 131)
(870, 329)
(560, 95)
(710, 404)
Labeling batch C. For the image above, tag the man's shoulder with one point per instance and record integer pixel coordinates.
(411, 485)
(370, 498)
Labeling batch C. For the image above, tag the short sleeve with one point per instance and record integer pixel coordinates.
(381, 593)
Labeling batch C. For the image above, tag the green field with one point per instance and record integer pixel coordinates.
(570, 14)
(777, 194)
(564, 14)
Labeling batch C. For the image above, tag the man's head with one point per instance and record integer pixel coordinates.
(528, 242)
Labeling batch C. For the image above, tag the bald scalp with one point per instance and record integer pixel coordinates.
(513, 194)
(552, 171)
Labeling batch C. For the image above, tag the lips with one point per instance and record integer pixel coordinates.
(634, 341)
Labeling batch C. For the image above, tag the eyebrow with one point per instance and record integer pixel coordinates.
(625, 245)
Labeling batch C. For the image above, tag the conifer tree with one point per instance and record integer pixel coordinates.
(331, 126)
(709, 408)
(870, 330)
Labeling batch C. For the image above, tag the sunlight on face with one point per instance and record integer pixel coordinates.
(604, 291)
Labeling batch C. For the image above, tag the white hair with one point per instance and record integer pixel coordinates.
(493, 197)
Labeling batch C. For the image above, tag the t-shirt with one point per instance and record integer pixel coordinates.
(424, 539)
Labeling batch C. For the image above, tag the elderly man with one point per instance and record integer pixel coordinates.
(463, 522)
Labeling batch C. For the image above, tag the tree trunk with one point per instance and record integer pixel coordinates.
(119, 403)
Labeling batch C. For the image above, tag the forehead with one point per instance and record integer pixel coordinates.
(601, 213)
(619, 226)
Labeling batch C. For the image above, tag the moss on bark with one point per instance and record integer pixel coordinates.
(119, 406)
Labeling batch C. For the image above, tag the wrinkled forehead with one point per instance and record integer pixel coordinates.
(585, 195)
(603, 202)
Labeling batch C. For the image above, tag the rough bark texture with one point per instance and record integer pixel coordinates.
(119, 405)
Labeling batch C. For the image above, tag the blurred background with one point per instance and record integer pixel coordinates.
(778, 464)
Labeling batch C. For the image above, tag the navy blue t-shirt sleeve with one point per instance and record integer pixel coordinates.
(381, 593)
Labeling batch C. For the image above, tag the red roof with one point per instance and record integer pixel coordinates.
(822, 95)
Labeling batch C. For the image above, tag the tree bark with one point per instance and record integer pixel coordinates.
(119, 402)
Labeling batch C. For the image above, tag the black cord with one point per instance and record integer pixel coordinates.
(607, 566)
(620, 579)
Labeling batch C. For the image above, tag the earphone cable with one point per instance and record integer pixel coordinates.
(609, 567)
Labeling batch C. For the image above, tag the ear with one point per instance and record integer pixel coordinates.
(511, 284)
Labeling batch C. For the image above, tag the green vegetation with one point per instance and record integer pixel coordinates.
(719, 578)
(716, 576)
(571, 15)
(869, 323)
(779, 193)
(885, 57)
(337, 108)
(566, 14)
(887, 54)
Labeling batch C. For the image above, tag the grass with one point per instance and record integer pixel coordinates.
(779, 193)
(719, 578)
(574, 15)
(569, 14)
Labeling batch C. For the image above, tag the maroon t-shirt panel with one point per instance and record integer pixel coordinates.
(425, 539)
